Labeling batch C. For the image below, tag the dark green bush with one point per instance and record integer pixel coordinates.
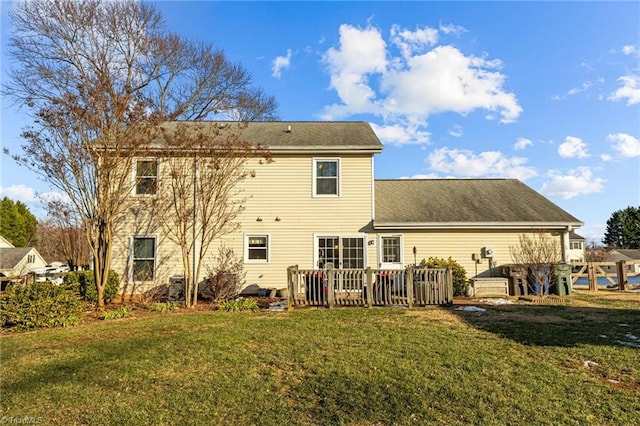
(38, 305)
(84, 284)
(460, 283)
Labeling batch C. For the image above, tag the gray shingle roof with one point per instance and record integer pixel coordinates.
(465, 202)
(11, 256)
(623, 254)
(304, 135)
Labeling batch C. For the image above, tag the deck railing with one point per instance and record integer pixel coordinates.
(369, 287)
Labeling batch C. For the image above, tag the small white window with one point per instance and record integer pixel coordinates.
(326, 177)
(144, 258)
(256, 248)
(146, 177)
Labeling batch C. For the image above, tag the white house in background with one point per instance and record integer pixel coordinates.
(17, 261)
(629, 255)
(577, 248)
(318, 203)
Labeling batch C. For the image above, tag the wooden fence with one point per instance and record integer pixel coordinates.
(621, 270)
(369, 287)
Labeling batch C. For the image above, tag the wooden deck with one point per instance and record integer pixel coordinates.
(369, 287)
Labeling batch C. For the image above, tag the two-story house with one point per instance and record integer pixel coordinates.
(318, 202)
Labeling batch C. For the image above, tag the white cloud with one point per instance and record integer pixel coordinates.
(401, 134)
(630, 90)
(606, 157)
(572, 183)
(628, 49)
(423, 176)
(573, 147)
(452, 29)
(361, 53)
(573, 91)
(410, 42)
(280, 63)
(19, 192)
(420, 81)
(464, 163)
(444, 79)
(522, 143)
(456, 131)
(585, 86)
(627, 145)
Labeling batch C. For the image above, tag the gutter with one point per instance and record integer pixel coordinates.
(471, 225)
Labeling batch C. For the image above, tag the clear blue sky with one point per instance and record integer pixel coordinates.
(545, 92)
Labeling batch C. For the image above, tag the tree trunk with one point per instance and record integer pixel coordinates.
(102, 261)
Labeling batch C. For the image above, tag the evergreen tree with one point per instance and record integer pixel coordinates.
(623, 229)
(17, 223)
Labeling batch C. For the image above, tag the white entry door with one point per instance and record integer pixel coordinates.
(390, 252)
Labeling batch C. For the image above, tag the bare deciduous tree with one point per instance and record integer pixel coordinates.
(202, 197)
(98, 78)
(537, 254)
(61, 235)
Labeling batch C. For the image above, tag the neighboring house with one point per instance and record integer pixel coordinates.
(4, 243)
(628, 255)
(577, 248)
(17, 261)
(318, 203)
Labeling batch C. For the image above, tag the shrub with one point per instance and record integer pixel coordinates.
(84, 284)
(39, 305)
(225, 280)
(460, 283)
(239, 305)
(121, 312)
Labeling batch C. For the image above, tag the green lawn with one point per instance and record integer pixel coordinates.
(512, 364)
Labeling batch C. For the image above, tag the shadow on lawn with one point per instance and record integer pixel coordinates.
(558, 325)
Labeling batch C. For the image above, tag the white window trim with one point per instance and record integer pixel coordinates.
(132, 259)
(380, 248)
(134, 171)
(315, 180)
(246, 247)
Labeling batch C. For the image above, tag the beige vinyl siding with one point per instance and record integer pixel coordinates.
(284, 190)
(281, 189)
(459, 245)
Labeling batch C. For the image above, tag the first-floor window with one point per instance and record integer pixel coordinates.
(256, 248)
(391, 250)
(144, 258)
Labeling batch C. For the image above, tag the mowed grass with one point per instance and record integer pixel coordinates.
(513, 364)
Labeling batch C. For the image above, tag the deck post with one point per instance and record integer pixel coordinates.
(292, 278)
(593, 278)
(369, 273)
(410, 271)
(449, 287)
(622, 275)
(330, 283)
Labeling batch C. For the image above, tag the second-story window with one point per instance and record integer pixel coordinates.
(326, 177)
(146, 177)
